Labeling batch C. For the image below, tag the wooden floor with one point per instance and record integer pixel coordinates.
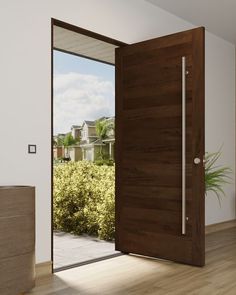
(138, 275)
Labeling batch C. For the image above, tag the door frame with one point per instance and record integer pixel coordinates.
(79, 30)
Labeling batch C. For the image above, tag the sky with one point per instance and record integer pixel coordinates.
(83, 90)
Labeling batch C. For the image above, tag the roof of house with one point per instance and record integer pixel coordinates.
(89, 123)
(93, 123)
(76, 127)
(101, 119)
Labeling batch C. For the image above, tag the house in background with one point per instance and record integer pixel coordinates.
(65, 152)
(91, 146)
(76, 131)
(58, 149)
(74, 151)
(110, 140)
(58, 152)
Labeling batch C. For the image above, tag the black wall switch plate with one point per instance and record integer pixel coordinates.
(32, 149)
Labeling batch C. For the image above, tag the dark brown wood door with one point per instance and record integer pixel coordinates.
(160, 148)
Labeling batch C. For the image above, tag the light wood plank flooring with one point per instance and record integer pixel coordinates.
(138, 275)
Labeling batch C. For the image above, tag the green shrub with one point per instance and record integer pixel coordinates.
(84, 198)
(106, 218)
(108, 162)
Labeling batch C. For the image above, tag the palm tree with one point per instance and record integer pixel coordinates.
(69, 140)
(102, 128)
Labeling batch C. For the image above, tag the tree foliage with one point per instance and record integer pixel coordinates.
(67, 140)
(102, 128)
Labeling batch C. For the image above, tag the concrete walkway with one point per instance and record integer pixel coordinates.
(70, 249)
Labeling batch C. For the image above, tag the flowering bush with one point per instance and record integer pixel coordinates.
(83, 199)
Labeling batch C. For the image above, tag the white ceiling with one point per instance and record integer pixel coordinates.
(218, 16)
(83, 45)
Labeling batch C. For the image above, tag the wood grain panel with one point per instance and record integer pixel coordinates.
(17, 235)
(17, 239)
(178, 247)
(153, 220)
(149, 147)
(159, 192)
(25, 203)
(156, 56)
(17, 274)
(162, 98)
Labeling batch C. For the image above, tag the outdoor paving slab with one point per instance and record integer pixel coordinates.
(70, 249)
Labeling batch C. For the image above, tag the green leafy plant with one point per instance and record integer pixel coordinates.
(216, 176)
(84, 199)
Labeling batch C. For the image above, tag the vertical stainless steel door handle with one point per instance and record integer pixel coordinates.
(183, 145)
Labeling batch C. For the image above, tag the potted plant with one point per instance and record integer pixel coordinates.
(216, 176)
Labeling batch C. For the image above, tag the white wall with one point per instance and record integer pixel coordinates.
(220, 119)
(25, 28)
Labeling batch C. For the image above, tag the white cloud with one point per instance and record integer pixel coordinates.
(79, 97)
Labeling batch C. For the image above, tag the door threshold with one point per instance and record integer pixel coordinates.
(86, 262)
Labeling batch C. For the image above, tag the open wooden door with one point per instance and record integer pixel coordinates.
(160, 148)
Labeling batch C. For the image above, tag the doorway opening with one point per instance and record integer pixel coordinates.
(83, 140)
(159, 128)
